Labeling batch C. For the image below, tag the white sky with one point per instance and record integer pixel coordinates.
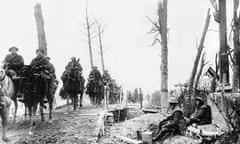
(129, 56)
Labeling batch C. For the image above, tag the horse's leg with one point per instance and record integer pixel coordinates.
(41, 112)
(81, 95)
(25, 113)
(4, 116)
(16, 108)
(75, 101)
(50, 109)
(31, 113)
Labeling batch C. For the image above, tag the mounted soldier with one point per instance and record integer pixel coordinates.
(13, 64)
(13, 61)
(202, 114)
(73, 82)
(95, 86)
(42, 67)
(53, 83)
(174, 124)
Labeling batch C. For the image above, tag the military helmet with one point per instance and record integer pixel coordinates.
(39, 50)
(11, 48)
(200, 99)
(173, 100)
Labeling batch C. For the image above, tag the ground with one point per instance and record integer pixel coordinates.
(69, 127)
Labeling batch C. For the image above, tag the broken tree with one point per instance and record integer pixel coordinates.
(160, 29)
(220, 17)
(42, 44)
(236, 51)
(189, 105)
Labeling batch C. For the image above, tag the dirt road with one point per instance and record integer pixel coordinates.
(66, 128)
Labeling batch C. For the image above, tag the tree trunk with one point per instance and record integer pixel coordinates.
(162, 13)
(223, 57)
(100, 45)
(42, 44)
(89, 37)
(200, 72)
(190, 98)
(236, 44)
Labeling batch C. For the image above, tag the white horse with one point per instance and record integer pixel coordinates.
(7, 93)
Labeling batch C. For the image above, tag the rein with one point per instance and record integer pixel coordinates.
(3, 78)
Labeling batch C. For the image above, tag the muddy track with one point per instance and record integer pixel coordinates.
(66, 128)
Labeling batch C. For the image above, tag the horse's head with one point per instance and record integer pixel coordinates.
(25, 71)
(2, 74)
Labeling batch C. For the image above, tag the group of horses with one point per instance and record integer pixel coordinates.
(33, 88)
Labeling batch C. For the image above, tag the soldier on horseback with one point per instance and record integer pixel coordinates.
(42, 67)
(13, 64)
(73, 82)
(173, 124)
(95, 86)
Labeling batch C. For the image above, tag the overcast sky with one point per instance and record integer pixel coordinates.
(129, 56)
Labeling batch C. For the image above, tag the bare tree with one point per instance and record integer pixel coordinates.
(89, 35)
(100, 31)
(160, 29)
(189, 107)
(236, 56)
(203, 63)
(42, 44)
(220, 17)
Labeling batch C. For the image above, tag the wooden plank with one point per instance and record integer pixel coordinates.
(150, 110)
(128, 140)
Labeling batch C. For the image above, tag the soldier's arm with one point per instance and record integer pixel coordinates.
(176, 117)
(201, 113)
(21, 60)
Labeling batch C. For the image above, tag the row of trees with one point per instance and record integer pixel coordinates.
(134, 96)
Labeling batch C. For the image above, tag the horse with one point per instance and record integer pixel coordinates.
(34, 87)
(95, 91)
(81, 92)
(73, 84)
(8, 94)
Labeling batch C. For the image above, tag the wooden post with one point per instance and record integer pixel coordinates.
(89, 37)
(42, 44)
(223, 57)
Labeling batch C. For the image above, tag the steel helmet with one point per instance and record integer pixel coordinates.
(200, 99)
(173, 100)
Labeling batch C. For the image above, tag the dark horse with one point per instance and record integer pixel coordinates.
(73, 83)
(95, 92)
(34, 87)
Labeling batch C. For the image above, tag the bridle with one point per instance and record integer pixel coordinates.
(2, 72)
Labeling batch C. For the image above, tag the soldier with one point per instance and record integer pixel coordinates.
(15, 62)
(140, 97)
(44, 61)
(53, 83)
(202, 114)
(173, 124)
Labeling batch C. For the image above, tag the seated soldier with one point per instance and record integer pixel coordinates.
(173, 124)
(202, 114)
